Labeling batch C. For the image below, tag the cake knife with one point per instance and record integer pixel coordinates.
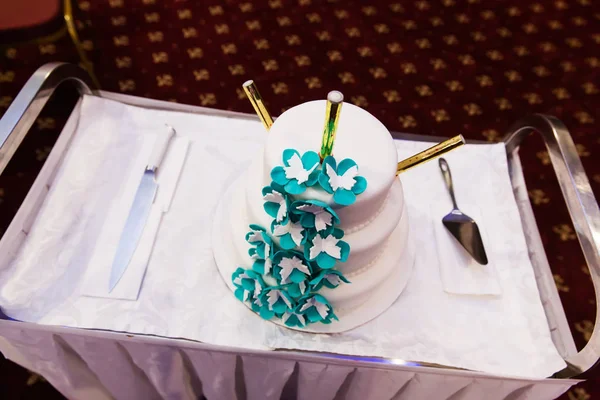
(140, 209)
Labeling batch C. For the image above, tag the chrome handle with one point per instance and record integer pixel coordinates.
(26, 107)
(583, 209)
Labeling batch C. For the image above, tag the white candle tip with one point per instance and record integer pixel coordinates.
(335, 96)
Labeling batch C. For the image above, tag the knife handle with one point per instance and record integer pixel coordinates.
(160, 147)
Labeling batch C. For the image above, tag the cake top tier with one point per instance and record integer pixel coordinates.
(360, 137)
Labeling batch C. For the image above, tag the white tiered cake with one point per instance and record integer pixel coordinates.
(287, 276)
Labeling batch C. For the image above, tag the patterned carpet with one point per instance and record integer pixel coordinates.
(438, 67)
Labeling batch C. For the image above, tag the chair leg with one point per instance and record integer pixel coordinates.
(70, 22)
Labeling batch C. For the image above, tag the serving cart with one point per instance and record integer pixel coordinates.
(96, 364)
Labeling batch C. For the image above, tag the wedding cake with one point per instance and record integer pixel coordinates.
(320, 245)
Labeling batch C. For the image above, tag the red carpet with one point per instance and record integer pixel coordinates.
(438, 67)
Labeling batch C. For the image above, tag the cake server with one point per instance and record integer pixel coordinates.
(460, 225)
(140, 209)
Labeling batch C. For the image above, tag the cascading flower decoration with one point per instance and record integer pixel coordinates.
(296, 256)
(262, 249)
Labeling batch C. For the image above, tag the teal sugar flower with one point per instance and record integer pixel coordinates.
(248, 284)
(262, 308)
(329, 278)
(316, 308)
(290, 234)
(298, 172)
(257, 236)
(290, 267)
(328, 249)
(292, 319)
(276, 300)
(297, 290)
(315, 214)
(342, 180)
(276, 202)
(262, 250)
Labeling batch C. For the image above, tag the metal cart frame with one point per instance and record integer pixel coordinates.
(73, 370)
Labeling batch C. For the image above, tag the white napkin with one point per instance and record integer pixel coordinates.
(460, 273)
(183, 295)
(100, 265)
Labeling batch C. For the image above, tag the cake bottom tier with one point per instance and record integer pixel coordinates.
(370, 292)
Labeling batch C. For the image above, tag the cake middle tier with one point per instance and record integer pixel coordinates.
(366, 241)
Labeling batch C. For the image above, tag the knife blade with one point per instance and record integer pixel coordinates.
(140, 209)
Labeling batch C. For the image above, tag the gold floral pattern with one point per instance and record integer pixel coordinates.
(127, 85)
(45, 123)
(394, 48)
(407, 121)
(454, 86)
(586, 328)
(424, 90)
(484, 80)
(207, 99)
(201, 74)
(532, 98)
(564, 232)
(491, 135)
(392, 96)
(578, 393)
(378, 73)
(544, 157)
(346, 77)
(560, 284)
(440, 115)
(164, 80)
(313, 82)
(42, 154)
(584, 118)
(280, 88)
(472, 109)
(538, 197)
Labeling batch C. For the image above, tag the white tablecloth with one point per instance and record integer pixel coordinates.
(183, 295)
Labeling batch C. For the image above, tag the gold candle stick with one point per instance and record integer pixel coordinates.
(254, 97)
(332, 116)
(431, 153)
